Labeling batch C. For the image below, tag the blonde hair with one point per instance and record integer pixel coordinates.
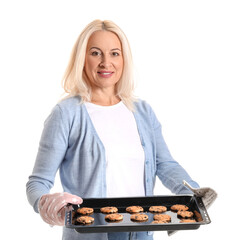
(75, 81)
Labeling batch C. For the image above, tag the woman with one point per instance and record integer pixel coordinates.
(101, 138)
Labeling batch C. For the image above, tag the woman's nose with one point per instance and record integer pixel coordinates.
(105, 61)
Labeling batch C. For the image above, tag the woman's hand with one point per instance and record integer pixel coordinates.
(52, 207)
(208, 195)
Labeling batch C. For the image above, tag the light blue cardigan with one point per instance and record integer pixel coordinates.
(70, 143)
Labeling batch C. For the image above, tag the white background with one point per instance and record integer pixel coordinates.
(192, 61)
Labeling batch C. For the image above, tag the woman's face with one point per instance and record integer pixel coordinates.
(104, 60)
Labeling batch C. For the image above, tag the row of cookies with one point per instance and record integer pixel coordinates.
(133, 209)
(113, 217)
(111, 210)
(138, 217)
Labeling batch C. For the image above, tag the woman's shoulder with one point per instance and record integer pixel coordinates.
(145, 111)
(68, 107)
(142, 106)
(69, 102)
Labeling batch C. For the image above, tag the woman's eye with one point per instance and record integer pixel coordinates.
(95, 53)
(115, 54)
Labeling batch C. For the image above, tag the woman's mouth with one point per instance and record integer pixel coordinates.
(105, 74)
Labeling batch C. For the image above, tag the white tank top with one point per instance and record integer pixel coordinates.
(125, 159)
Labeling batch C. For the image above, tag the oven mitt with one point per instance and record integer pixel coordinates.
(52, 207)
(208, 196)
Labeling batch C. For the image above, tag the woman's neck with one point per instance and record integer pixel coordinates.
(104, 98)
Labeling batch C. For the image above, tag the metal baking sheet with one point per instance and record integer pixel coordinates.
(100, 225)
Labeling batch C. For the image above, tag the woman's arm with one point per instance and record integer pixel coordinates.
(51, 152)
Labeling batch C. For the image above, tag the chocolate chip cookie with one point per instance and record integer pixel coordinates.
(179, 207)
(139, 217)
(134, 209)
(157, 209)
(162, 217)
(114, 217)
(187, 221)
(85, 211)
(109, 210)
(158, 222)
(85, 220)
(185, 214)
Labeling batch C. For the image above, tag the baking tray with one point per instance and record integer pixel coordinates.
(100, 225)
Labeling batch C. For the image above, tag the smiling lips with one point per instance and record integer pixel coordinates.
(105, 74)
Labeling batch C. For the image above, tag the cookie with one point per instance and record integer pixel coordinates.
(185, 214)
(157, 209)
(134, 209)
(179, 207)
(139, 217)
(85, 211)
(109, 210)
(158, 222)
(85, 220)
(187, 221)
(162, 217)
(198, 216)
(115, 217)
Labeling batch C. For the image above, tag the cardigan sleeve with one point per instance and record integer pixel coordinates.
(52, 148)
(169, 171)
